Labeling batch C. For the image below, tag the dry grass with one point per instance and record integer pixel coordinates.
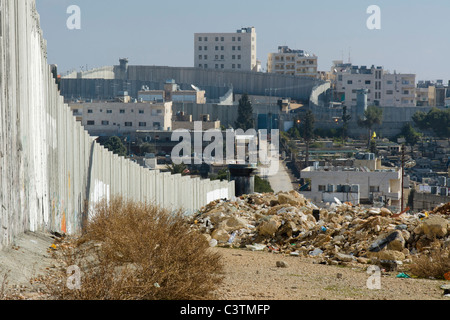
(135, 251)
(433, 266)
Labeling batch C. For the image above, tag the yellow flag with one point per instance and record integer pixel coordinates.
(374, 135)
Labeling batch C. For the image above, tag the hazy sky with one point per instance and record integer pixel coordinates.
(414, 35)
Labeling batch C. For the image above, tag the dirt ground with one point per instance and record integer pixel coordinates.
(248, 276)
(255, 276)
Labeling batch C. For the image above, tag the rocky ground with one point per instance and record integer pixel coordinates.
(255, 276)
(249, 275)
(282, 247)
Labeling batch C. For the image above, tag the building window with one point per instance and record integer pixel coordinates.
(156, 124)
(239, 48)
(233, 66)
(91, 123)
(350, 82)
(222, 57)
(233, 57)
(239, 38)
(200, 48)
(222, 48)
(109, 111)
(368, 82)
(217, 66)
(239, 66)
(200, 65)
(205, 48)
(217, 48)
(205, 66)
(217, 38)
(222, 66)
(128, 124)
(374, 189)
(105, 123)
(205, 57)
(234, 48)
(322, 188)
(200, 57)
(142, 124)
(90, 111)
(389, 92)
(233, 39)
(200, 39)
(239, 57)
(222, 39)
(206, 38)
(122, 111)
(217, 57)
(141, 111)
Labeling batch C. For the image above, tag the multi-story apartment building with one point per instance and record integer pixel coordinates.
(117, 118)
(432, 94)
(384, 88)
(292, 62)
(235, 51)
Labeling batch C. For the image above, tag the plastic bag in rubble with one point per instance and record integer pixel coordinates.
(380, 244)
(315, 252)
(256, 247)
(232, 237)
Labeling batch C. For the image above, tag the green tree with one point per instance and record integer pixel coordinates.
(115, 145)
(177, 168)
(245, 114)
(372, 116)
(262, 186)
(147, 148)
(436, 120)
(411, 136)
(308, 132)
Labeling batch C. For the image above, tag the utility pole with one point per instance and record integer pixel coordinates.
(403, 176)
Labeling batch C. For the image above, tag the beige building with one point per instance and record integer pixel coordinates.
(183, 121)
(122, 118)
(173, 93)
(384, 88)
(235, 51)
(292, 62)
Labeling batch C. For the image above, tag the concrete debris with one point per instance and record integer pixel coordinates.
(341, 233)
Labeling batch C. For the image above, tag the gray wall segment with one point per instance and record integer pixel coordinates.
(51, 171)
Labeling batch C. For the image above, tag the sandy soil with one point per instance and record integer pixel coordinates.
(248, 276)
(255, 276)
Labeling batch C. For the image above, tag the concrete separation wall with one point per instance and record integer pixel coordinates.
(51, 171)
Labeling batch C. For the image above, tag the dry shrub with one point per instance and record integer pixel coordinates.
(136, 251)
(434, 265)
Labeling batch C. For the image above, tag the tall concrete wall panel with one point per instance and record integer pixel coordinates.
(51, 171)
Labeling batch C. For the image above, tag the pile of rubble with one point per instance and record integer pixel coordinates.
(342, 233)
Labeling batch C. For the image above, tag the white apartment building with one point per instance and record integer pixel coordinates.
(235, 51)
(384, 88)
(292, 62)
(365, 180)
(115, 118)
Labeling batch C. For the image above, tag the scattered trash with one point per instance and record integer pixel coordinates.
(403, 275)
(256, 247)
(287, 222)
(213, 243)
(447, 276)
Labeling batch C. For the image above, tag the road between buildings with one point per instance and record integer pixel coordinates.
(281, 182)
